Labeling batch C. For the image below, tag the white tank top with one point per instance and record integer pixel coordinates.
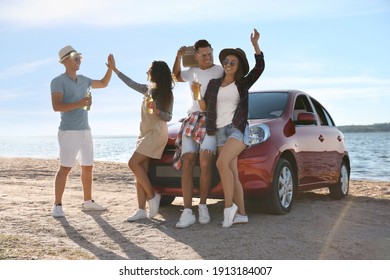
(227, 102)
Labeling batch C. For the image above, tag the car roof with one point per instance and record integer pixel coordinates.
(280, 90)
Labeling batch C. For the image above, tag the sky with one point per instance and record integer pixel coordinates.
(338, 51)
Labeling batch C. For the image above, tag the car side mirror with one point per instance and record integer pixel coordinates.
(306, 119)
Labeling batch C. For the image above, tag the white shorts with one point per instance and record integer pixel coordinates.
(75, 144)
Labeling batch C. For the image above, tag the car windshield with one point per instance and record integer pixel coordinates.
(266, 105)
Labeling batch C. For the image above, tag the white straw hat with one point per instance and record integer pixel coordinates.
(65, 52)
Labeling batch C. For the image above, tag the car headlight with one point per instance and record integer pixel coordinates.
(256, 134)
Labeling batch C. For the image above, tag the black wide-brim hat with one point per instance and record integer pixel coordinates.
(239, 53)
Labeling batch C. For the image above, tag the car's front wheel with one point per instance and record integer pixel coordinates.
(281, 198)
(340, 190)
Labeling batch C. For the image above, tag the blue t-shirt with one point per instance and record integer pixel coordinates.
(72, 91)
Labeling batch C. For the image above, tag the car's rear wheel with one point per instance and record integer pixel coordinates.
(340, 190)
(166, 200)
(281, 198)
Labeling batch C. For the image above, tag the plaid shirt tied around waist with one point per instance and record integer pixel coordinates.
(195, 127)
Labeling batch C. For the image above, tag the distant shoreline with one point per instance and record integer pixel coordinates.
(379, 127)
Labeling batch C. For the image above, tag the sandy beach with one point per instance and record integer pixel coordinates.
(355, 228)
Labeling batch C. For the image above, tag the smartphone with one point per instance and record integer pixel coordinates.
(189, 57)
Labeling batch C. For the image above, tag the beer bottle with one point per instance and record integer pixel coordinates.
(89, 94)
(149, 99)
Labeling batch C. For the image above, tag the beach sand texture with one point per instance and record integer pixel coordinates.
(318, 227)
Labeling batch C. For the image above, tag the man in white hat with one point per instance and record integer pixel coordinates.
(69, 96)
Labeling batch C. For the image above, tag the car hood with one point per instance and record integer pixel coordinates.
(258, 121)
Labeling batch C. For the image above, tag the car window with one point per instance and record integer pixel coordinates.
(324, 116)
(266, 105)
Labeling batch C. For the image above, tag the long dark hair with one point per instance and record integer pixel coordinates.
(161, 75)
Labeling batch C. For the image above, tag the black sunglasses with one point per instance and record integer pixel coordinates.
(231, 62)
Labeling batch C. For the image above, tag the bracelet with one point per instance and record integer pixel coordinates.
(178, 57)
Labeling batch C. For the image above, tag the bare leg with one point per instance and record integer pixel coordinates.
(238, 196)
(206, 160)
(86, 181)
(187, 184)
(137, 165)
(141, 194)
(60, 182)
(228, 153)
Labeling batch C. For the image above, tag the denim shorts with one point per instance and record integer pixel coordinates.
(226, 132)
(188, 144)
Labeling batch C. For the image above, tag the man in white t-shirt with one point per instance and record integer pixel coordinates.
(191, 144)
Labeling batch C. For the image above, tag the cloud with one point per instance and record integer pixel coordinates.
(107, 13)
(23, 68)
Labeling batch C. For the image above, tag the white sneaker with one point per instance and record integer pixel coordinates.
(154, 204)
(240, 219)
(137, 215)
(92, 206)
(204, 217)
(57, 212)
(228, 216)
(187, 218)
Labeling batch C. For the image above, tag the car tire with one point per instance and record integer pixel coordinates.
(280, 200)
(166, 200)
(341, 189)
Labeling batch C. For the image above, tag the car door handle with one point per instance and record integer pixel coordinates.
(321, 138)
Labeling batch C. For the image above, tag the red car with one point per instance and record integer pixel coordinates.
(293, 145)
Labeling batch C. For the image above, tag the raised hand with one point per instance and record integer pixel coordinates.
(111, 63)
(255, 36)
